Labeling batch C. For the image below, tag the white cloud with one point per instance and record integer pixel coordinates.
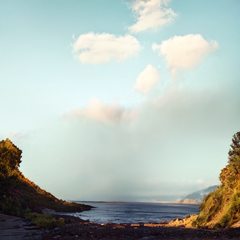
(147, 80)
(150, 14)
(101, 48)
(100, 112)
(184, 52)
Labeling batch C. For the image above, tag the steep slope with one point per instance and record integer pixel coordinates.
(221, 208)
(20, 196)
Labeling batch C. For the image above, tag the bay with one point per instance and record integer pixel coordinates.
(135, 212)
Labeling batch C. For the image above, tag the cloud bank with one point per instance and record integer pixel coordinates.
(185, 52)
(98, 48)
(161, 156)
(151, 14)
(147, 80)
(105, 113)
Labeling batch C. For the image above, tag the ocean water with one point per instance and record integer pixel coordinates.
(134, 212)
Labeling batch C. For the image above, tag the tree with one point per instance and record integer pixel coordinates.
(10, 158)
(230, 175)
(235, 148)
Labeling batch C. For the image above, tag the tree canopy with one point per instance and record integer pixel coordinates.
(10, 158)
(230, 175)
(234, 152)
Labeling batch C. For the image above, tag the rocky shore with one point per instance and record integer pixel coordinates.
(12, 228)
(16, 228)
(174, 230)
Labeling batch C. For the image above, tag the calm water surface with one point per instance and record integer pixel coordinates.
(134, 212)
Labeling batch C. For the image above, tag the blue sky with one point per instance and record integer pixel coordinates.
(120, 100)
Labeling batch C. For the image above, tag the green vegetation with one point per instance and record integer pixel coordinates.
(21, 197)
(45, 220)
(10, 158)
(221, 208)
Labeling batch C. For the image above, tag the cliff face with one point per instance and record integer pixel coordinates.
(221, 208)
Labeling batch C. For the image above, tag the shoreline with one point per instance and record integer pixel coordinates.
(84, 230)
(15, 227)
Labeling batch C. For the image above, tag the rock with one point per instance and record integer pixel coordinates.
(236, 225)
(13, 228)
(48, 211)
(164, 222)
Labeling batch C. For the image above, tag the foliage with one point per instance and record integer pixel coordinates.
(10, 158)
(45, 220)
(235, 148)
(13, 206)
(221, 208)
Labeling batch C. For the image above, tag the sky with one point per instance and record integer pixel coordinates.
(125, 100)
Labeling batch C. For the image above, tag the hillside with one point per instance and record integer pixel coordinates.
(201, 193)
(187, 201)
(221, 208)
(21, 197)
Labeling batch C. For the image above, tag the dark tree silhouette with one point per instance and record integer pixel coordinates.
(230, 175)
(235, 147)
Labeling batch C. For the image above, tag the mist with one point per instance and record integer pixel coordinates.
(177, 145)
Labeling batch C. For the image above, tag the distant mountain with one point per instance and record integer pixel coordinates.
(187, 201)
(200, 194)
(196, 197)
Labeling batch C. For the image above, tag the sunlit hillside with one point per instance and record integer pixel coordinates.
(18, 195)
(221, 208)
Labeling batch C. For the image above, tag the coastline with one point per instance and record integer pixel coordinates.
(18, 228)
(134, 212)
(84, 230)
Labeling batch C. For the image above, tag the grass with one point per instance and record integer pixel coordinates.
(221, 208)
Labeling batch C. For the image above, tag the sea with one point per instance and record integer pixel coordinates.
(135, 212)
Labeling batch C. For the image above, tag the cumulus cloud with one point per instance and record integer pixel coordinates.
(147, 80)
(101, 48)
(150, 14)
(185, 52)
(100, 112)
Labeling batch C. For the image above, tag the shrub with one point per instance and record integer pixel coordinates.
(217, 226)
(45, 220)
(13, 206)
(194, 224)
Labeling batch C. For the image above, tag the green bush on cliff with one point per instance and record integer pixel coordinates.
(221, 208)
